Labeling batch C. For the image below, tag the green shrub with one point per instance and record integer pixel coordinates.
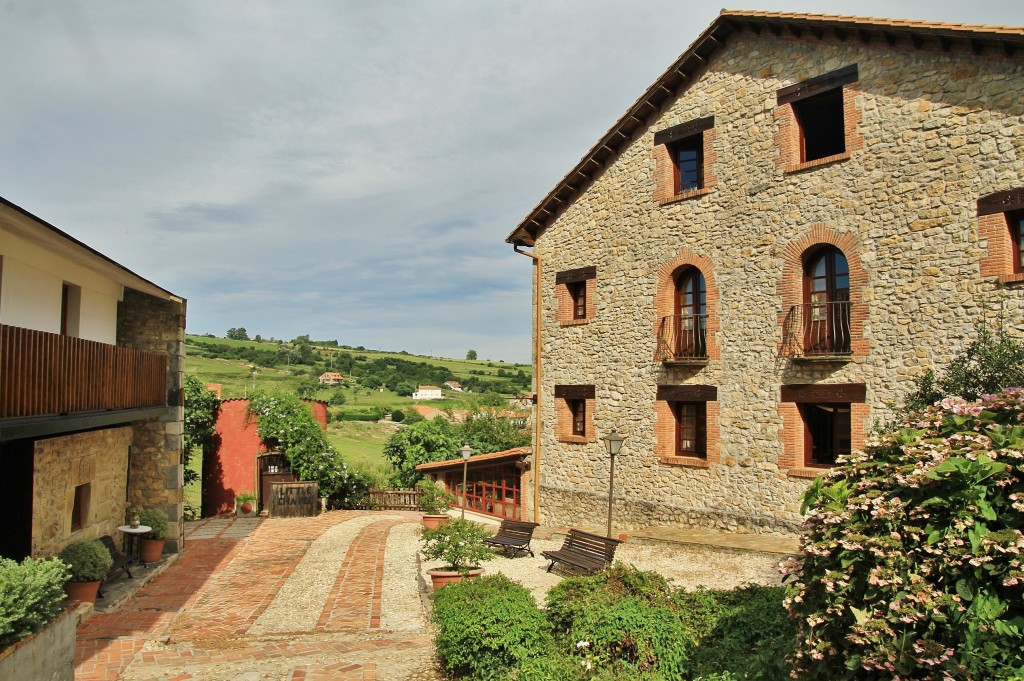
(911, 562)
(434, 499)
(31, 593)
(568, 600)
(750, 635)
(459, 543)
(487, 626)
(87, 561)
(156, 519)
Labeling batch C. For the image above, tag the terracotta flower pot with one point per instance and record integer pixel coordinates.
(82, 591)
(150, 550)
(439, 577)
(433, 521)
(245, 508)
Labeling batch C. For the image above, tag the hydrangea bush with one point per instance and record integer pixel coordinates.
(911, 561)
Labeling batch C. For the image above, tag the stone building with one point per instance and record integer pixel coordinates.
(90, 391)
(799, 217)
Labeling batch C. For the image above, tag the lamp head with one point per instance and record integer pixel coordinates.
(466, 451)
(613, 442)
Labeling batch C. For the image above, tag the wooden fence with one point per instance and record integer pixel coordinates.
(294, 499)
(391, 500)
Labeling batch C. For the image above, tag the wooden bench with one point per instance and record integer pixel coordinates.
(121, 562)
(513, 536)
(584, 552)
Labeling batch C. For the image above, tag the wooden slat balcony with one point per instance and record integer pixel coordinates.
(43, 374)
(682, 339)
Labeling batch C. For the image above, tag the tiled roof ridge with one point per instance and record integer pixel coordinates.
(875, 21)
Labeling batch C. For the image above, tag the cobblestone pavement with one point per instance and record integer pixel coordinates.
(285, 599)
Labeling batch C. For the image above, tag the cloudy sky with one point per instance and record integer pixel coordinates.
(343, 168)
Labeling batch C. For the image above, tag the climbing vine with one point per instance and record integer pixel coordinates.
(286, 421)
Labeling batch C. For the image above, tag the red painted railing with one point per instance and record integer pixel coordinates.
(46, 373)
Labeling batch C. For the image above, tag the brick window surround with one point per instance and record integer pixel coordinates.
(791, 287)
(665, 424)
(788, 134)
(794, 434)
(666, 172)
(566, 396)
(566, 284)
(999, 216)
(665, 299)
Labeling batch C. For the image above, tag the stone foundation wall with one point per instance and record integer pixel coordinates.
(935, 131)
(99, 458)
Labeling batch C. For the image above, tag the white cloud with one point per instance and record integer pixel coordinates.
(345, 169)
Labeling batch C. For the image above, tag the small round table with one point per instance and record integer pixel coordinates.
(131, 536)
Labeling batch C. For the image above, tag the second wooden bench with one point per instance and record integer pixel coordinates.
(584, 552)
(512, 536)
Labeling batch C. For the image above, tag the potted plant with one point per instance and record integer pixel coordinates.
(460, 544)
(88, 562)
(435, 501)
(151, 544)
(245, 504)
(132, 515)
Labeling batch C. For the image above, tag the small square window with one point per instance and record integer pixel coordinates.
(691, 429)
(578, 292)
(1015, 221)
(579, 417)
(822, 127)
(688, 159)
(80, 507)
(826, 432)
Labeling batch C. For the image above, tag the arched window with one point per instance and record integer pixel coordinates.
(690, 320)
(826, 312)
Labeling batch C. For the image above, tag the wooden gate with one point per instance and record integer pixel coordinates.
(294, 499)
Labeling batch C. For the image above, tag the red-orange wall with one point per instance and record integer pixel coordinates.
(231, 469)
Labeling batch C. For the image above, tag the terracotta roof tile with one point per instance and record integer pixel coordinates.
(507, 454)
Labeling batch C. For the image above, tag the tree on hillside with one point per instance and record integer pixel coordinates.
(200, 419)
(422, 442)
(471, 354)
(238, 334)
(488, 433)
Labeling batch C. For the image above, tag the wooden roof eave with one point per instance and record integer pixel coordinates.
(1008, 41)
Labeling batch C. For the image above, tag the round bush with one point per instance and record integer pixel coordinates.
(156, 519)
(87, 561)
(31, 594)
(487, 626)
(911, 563)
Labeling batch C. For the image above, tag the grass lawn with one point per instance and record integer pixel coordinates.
(361, 445)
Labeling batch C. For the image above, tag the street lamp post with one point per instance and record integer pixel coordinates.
(466, 452)
(613, 443)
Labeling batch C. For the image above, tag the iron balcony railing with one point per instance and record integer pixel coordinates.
(47, 374)
(683, 337)
(824, 328)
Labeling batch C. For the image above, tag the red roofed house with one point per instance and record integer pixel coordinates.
(331, 378)
(494, 481)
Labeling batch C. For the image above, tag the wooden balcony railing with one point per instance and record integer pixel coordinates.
(683, 337)
(46, 373)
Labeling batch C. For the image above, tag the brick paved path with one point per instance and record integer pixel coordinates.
(196, 620)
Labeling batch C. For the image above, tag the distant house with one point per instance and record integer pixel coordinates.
(425, 411)
(453, 385)
(521, 401)
(331, 378)
(90, 391)
(427, 392)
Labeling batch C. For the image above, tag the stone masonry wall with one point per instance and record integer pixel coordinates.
(156, 477)
(99, 458)
(935, 131)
